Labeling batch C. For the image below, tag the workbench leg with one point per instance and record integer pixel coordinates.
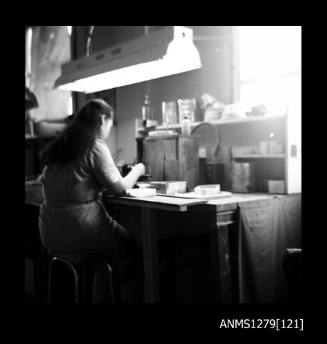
(225, 272)
(221, 264)
(214, 261)
(150, 255)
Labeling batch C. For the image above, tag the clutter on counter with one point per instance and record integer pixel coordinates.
(234, 111)
(212, 109)
(169, 187)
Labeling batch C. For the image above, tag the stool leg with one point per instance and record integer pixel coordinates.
(110, 282)
(80, 280)
(76, 280)
(50, 281)
(83, 282)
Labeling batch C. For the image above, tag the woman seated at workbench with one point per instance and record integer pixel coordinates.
(78, 167)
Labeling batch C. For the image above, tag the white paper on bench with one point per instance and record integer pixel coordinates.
(143, 192)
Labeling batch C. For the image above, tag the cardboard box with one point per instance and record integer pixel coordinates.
(276, 186)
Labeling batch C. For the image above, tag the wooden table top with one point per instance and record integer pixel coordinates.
(158, 202)
(33, 195)
(181, 204)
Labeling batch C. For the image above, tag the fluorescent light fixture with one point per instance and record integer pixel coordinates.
(165, 52)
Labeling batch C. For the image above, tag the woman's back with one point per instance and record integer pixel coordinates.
(76, 181)
(70, 183)
(79, 166)
(73, 212)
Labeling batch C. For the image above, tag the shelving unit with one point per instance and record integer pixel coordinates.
(140, 129)
(285, 166)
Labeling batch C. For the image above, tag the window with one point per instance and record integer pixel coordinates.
(50, 47)
(270, 67)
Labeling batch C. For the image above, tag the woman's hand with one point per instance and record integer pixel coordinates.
(140, 168)
(132, 177)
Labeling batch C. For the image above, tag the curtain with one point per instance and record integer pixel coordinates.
(267, 228)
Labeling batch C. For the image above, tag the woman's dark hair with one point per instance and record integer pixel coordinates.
(79, 135)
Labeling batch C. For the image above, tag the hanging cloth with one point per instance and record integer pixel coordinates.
(267, 228)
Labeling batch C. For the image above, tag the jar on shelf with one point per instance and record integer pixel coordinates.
(186, 126)
(146, 110)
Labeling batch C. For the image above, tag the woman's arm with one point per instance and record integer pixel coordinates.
(106, 172)
(119, 188)
(132, 177)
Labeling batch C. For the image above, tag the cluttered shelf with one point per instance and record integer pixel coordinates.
(247, 119)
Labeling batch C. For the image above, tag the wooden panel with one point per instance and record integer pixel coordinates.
(171, 167)
(150, 255)
(224, 155)
(221, 263)
(154, 158)
(173, 159)
(170, 149)
(188, 161)
(171, 170)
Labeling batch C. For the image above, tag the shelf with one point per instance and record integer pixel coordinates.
(29, 137)
(259, 156)
(175, 126)
(219, 122)
(248, 119)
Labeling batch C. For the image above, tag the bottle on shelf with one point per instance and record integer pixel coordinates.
(186, 126)
(146, 110)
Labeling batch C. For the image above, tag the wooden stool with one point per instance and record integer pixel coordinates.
(78, 265)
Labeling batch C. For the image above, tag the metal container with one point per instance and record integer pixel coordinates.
(242, 177)
(214, 171)
(169, 187)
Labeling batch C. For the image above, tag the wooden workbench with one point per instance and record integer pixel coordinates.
(220, 213)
